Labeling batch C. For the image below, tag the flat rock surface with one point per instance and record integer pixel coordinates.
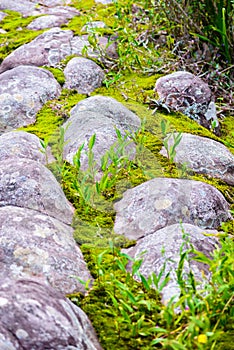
(162, 202)
(35, 316)
(204, 156)
(98, 115)
(21, 144)
(83, 75)
(23, 92)
(169, 240)
(29, 184)
(34, 244)
(183, 91)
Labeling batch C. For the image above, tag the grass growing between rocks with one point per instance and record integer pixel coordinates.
(128, 314)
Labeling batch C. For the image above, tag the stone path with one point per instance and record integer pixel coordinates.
(38, 254)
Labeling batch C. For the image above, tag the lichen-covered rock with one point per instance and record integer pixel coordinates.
(189, 94)
(27, 8)
(98, 115)
(23, 92)
(35, 316)
(21, 144)
(161, 202)
(28, 184)
(33, 8)
(105, 48)
(204, 156)
(48, 21)
(34, 244)
(47, 49)
(90, 26)
(169, 240)
(83, 75)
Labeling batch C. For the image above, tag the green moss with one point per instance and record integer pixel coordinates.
(52, 115)
(57, 73)
(17, 33)
(227, 129)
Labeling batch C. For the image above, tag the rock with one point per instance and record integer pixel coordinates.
(104, 2)
(204, 156)
(47, 49)
(23, 92)
(26, 8)
(35, 316)
(83, 75)
(21, 144)
(2, 15)
(48, 21)
(64, 11)
(98, 115)
(32, 8)
(90, 26)
(104, 51)
(53, 3)
(28, 184)
(170, 240)
(34, 244)
(161, 202)
(187, 93)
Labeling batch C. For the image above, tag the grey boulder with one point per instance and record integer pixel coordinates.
(35, 316)
(48, 21)
(204, 156)
(35, 244)
(83, 75)
(98, 115)
(163, 247)
(184, 92)
(161, 202)
(23, 92)
(28, 184)
(22, 144)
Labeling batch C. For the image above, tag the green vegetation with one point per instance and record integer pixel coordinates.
(128, 314)
(153, 38)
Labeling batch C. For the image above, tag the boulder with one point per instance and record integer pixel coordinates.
(22, 144)
(204, 156)
(91, 26)
(28, 184)
(32, 8)
(35, 244)
(47, 49)
(161, 202)
(35, 316)
(48, 21)
(163, 246)
(83, 75)
(25, 7)
(184, 92)
(23, 92)
(104, 50)
(98, 115)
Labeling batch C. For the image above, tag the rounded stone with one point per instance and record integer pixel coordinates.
(83, 75)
